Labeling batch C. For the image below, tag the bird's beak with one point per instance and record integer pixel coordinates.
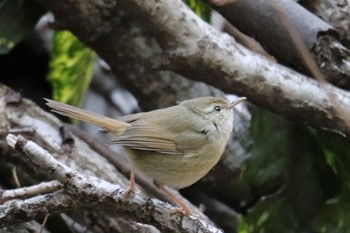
(237, 101)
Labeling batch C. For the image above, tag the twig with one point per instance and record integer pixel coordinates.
(20, 193)
(42, 226)
(15, 177)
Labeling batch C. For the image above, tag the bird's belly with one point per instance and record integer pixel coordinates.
(177, 171)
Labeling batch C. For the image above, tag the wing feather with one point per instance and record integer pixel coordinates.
(142, 137)
(148, 133)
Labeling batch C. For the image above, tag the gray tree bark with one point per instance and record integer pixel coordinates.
(193, 49)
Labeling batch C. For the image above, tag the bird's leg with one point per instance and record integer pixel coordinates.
(132, 184)
(183, 207)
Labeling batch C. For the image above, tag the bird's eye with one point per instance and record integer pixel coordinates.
(217, 108)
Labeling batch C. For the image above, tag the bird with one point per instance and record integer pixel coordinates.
(175, 146)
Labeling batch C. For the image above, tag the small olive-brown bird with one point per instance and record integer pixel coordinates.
(175, 146)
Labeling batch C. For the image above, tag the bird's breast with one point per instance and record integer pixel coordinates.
(177, 171)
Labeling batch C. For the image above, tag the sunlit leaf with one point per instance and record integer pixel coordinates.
(71, 68)
(17, 20)
(243, 226)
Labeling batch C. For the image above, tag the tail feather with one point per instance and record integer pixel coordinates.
(115, 126)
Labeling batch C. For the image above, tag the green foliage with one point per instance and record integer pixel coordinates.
(17, 20)
(200, 8)
(290, 174)
(335, 215)
(243, 226)
(71, 68)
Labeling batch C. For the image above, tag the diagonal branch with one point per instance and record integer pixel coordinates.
(192, 48)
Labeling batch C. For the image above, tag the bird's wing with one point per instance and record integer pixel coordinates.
(162, 135)
(131, 117)
(143, 137)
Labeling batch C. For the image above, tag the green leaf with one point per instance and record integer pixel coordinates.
(243, 226)
(288, 174)
(335, 215)
(71, 68)
(200, 8)
(17, 20)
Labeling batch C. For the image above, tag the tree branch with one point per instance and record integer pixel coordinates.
(91, 191)
(44, 187)
(319, 37)
(192, 48)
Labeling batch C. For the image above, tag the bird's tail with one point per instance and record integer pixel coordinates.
(115, 126)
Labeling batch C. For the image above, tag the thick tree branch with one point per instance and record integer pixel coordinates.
(273, 35)
(336, 13)
(194, 49)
